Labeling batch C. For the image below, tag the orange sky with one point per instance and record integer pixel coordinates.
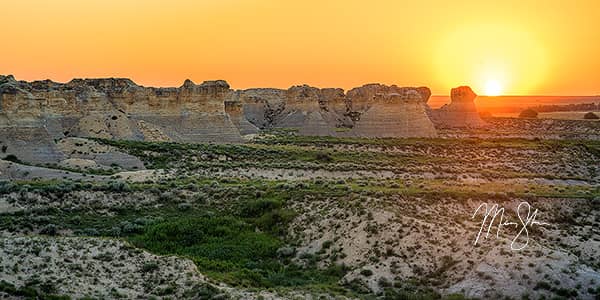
(521, 47)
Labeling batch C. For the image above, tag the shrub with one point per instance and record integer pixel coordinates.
(202, 291)
(256, 208)
(119, 186)
(224, 239)
(13, 158)
(383, 282)
(230, 249)
(274, 221)
(106, 257)
(542, 285)
(184, 206)
(91, 232)
(395, 294)
(324, 157)
(167, 197)
(528, 114)
(130, 228)
(7, 187)
(485, 114)
(49, 229)
(30, 291)
(149, 267)
(366, 272)
(591, 116)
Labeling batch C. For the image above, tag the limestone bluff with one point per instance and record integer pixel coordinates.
(118, 108)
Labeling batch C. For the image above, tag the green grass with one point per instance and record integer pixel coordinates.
(320, 153)
(273, 192)
(32, 290)
(233, 241)
(239, 250)
(230, 250)
(287, 139)
(224, 239)
(166, 155)
(234, 231)
(89, 171)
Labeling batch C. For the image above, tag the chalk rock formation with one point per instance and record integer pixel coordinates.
(29, 144)
(391, 111)
(33, 115)
(261, 105)
(306, 109)
(235, 111)
(461, 112)
(102, 155)
(36, 114)
(310, 110)
(120, 109)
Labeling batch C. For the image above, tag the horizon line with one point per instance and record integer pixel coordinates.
(300, 84)
(524, 95)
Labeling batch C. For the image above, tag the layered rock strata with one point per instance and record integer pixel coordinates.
(460, 113)
(119, 109)
(391, 111)
(373, 110)
(235, 111)
(33, 115)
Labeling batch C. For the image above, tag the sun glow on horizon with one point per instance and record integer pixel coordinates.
(271, 43)
(493, 59)
(493, 88)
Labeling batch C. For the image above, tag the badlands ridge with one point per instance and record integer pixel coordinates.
(117, 108)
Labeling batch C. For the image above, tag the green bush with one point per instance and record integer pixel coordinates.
(258, 207)
(392, 294)
(13, 158)
(149, 267)
(31, 291)
(528, 114)
(230, 250)
(275, 221)
(542, 285)
(324, 157)
(216, 238)
(591, 116)
(119, 186)
(49, 229)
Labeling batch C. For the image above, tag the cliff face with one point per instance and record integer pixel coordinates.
(118, 108)
(391, 112)
(33, 115)
(310, 110)
(373, 110)
(235, 110)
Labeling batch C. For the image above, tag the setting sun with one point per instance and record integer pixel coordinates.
(279, 149)
(493, 88)
(494, 58)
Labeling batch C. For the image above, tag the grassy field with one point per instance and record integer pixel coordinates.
(238, 230)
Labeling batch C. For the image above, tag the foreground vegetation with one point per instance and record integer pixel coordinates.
(244, 230)
(445, 157)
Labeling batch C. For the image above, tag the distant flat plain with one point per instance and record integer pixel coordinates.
(558, 115)
(500, 102)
